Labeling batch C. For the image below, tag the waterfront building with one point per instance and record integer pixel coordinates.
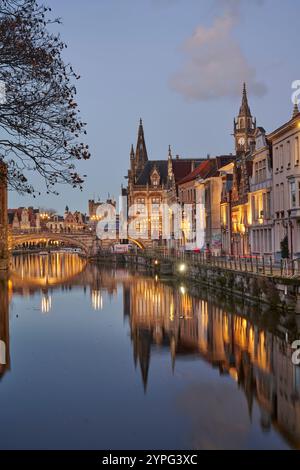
(201, 190)
(260, 197)
(93, 206)
(151, 183)
(244, 135)
(3, 218)
(71, 221)
(286, 185)
(24, 218)
(226, 173)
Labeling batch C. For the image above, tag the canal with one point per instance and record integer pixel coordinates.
(98, 358)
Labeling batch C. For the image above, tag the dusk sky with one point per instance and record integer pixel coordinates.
(178, 64)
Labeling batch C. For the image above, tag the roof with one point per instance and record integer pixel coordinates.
(144, 177)
(32, 215)
(182, 167)
(291, 123)
(202, 170)
(223, 160)
(207, 168)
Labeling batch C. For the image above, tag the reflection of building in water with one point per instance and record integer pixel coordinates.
(46, 302)
(257, 360)
(4, 327)
(49, 270)
(55, 268)
(97, 299)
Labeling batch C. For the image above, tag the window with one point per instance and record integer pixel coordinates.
(281, 157)
(296, 143)
(288, 151)
(140, 205)
(256, 172)
(260, 171)
(276, 158)
(155, 203)
(268, 206)
(281, 203)
(293, 193)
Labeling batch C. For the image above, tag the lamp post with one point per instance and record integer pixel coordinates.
(290, 223)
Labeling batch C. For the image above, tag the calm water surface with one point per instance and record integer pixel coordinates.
(94, 358)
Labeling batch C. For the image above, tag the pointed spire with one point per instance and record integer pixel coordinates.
(295, 109)
(169, 152)
(244, 109)
(141, 156)
(131, 152)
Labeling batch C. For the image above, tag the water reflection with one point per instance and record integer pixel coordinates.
(4, 327)
(168, 318)
(44, 271)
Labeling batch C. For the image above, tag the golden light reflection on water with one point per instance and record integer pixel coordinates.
(52, 269)
(167, 316)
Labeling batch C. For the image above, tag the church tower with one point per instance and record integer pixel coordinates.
(3, 218)
(244, 126)
(141, 156)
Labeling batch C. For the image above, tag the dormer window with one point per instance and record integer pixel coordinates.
(155, 178)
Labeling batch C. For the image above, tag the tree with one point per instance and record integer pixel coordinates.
(284, 247)
(40, 125)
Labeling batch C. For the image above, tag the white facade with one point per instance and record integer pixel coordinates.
(286, 185)
(260, 198)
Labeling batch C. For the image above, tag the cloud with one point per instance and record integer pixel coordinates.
(214, 64)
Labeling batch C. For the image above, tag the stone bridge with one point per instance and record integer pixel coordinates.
(84, 240)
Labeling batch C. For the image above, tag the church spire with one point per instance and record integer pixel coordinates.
(131, 152)
(141, 156)
(244, 109)
(295, 109)
(244, 126)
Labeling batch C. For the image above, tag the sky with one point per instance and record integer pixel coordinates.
(177, 64)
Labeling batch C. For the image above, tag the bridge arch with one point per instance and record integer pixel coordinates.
(69, 240)
(138, 243)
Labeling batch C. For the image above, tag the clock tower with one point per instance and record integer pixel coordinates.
(244, 126)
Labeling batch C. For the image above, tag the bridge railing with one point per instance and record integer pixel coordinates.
(263, 265)
(33, 231)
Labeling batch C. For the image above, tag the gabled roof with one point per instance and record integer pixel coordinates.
(207, 168)
(160, 165)
(182, 167)
(202, 170)
(223, 160)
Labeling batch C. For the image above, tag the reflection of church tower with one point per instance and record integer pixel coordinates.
(126, 301)
(245, 378)
(142, 339)
(4, 327)
(3, 218)
(244, 126)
